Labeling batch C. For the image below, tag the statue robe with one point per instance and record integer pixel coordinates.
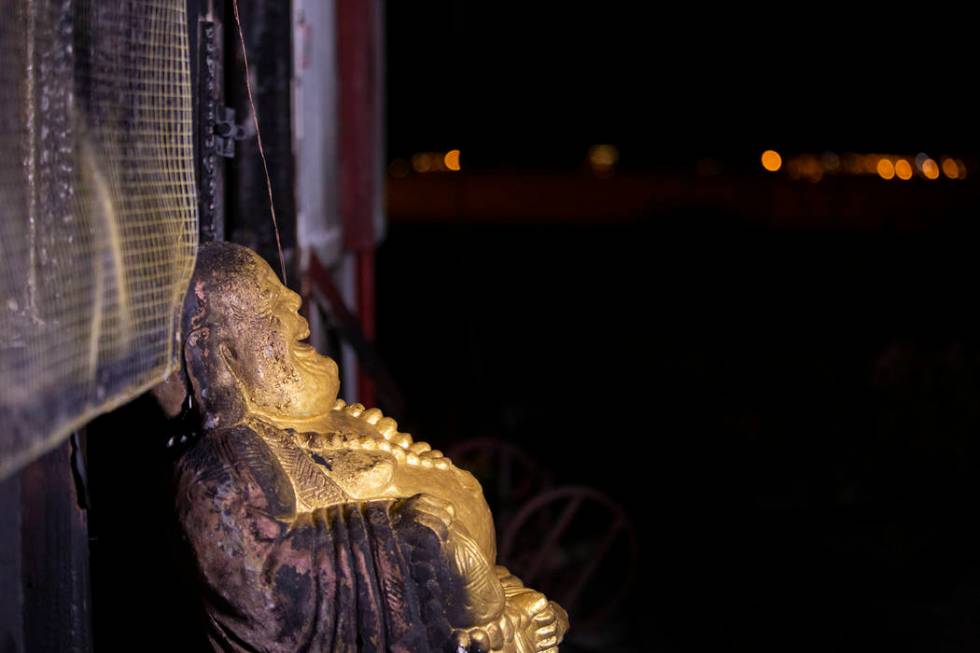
(351, 577)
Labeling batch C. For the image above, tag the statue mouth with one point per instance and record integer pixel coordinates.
(299, 342)
(305, 354)
(307, 357)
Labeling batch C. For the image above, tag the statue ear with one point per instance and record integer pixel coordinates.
(196, 345)
(207, 361)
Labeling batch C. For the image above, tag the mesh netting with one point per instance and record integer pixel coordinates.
(98, 217)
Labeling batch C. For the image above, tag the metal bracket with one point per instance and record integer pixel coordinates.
(227, 131)
(211, 173)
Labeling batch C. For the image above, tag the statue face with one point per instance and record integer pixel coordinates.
(282, 378)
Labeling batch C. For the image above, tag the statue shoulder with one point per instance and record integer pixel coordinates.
(238, 462)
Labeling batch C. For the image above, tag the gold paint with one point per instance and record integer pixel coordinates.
(287, 393)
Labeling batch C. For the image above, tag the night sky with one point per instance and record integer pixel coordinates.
(534, 84)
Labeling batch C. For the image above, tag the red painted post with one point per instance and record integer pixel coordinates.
(360, 69)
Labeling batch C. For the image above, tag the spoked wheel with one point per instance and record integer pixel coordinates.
(577, 546)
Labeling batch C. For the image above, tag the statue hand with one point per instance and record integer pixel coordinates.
(484, 595)
(529, 624)
(539, 624)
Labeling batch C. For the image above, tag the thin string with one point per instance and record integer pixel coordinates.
(258, 137)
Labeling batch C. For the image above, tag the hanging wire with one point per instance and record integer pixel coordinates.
(258, 137)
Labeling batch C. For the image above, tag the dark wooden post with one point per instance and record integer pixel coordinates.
(11, 591)
(54, 557)
(44, 559)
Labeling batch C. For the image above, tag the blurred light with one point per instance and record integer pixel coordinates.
(810, 168)
(831, 162)
(885, 169)
(903, 169)
(452, 160)
(872, 162)
(422, 162)
(399, 168)
(853, 163)
(813, 167)
(794, 167)
(950, 169)
(603, 159)
(603, 155)
(771, 160)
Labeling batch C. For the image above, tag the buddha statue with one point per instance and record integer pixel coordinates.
(315, 525)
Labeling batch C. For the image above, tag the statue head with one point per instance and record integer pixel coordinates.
(243, 349)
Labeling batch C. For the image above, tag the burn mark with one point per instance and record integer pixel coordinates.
(320, 460)
(294, 590)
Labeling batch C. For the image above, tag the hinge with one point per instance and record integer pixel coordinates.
(227, 131)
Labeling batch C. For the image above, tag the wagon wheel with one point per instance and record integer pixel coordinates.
(577, 546)
(509, 475)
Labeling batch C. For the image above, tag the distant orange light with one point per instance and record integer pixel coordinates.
(794, 168)
(903, 169)
(771, 160)
(962, 168)
(830, 161)
(422, 162)
(810, 167)
(603, 159)
(452, 160)
(871, 162)
(930, 169)
(950, 169)
(603, 156)
(885, 169)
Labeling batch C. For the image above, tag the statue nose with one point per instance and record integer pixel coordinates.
(293, 300)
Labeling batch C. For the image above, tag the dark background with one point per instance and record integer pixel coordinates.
(783, 399)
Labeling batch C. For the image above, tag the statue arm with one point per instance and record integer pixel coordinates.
(237, 508)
